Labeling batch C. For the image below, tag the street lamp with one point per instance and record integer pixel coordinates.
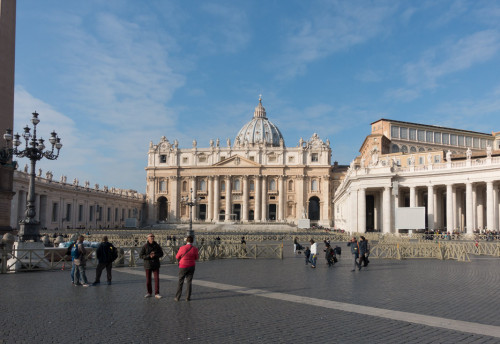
(191, 202)
(29, 227)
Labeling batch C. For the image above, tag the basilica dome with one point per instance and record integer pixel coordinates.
(259, 130)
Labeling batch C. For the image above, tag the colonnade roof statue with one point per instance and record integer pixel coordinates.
(259, 130)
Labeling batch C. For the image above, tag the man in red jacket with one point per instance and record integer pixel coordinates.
(187, 256)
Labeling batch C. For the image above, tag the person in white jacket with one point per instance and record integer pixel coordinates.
(314, 253)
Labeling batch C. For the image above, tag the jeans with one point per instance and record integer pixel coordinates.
(73, 269)
(312, 259)
(356, 264)
(157, 281)
(80, 275)
(188, 274)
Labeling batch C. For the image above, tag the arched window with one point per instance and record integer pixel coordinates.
(184, 186)
(413, 149)
(272, 185)
(395, 149)
(203, 185)
(290, 185)
(404, 149)
(237, 185)
(314, 185)
(421, 149)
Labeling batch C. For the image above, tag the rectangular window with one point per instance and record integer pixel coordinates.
(403, 133)
(446, 139)
(421, 160)
(163, 159)
(314, 157)
(91, 213)
(483, 143)
(437, 158)
(55, 211)
(489, 143)
(461, 140)
(421, 135)
(108, 217)
(453, 139)
(429, 135)
(468, 141)
(437, 137)
(68, 212)
(202, 159)
(272, 158)
(394, 132)
(252, 158)
(475, 142)
(252, 186)
(291, 159)
(163, 185)
(413, 134)
(80, 213)
(184, 160)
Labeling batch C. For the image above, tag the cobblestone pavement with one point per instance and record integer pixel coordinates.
(257, 301)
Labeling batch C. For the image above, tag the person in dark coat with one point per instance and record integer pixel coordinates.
(307, 254)
(106, 254)
(363, 252)
(355, 252)
(329, 254)
(151, 253)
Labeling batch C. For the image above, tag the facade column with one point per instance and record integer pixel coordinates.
(490, 208)
(264, 199)
(474, 207)
(412, 197)
(194, 209)
(228, 198)
(468, 207)
(325, 194)
(174, 199)
(362, 210)
(480, 207)
(281, 198)
(245, 199)
(376, 211)
(299, 196)
(437, 210)
(449, 208)
(257, 198)
(386, 208)
(216, 199)
(430, 207)
(353, 210)
(210, 195)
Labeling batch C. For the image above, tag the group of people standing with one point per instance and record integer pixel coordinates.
(150, 253)
(360, 251)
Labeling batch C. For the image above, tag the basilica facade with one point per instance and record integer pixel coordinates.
(254, 179)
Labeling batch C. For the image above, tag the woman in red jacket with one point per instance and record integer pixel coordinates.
(187, 256)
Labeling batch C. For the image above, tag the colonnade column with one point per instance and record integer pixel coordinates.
(490, 210)
(386, 208)
(376, 211)
(264, 198)
(468, 208)
(449, 208)
(281, 196)
(228, 198)
(412, 196)
(362, 210)
(354, 218)
(257, 198)
(210, 207)
(430, 207)
(474, 207)
(480, 207)
(216, 198)
(194, 209)
(245, 199)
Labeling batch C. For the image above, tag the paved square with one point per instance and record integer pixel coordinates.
(257, 301)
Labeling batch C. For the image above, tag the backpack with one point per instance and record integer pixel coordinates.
(114, 253)
(338, 250)
(75, 253)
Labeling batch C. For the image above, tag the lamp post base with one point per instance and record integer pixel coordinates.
(29, 231)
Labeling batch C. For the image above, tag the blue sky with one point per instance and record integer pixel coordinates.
(110, 76)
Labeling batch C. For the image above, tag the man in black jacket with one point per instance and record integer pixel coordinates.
(151, 253)
(106, 255)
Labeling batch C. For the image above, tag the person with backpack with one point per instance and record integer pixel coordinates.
(355, 252)
(151, 253)
(106, 254)
(79, 255)
(73, 266)
(329, 254)
(187, 257)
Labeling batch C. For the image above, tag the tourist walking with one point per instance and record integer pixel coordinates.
(106, 254)
(364, 251)
(329, 255)
(355, 252)
(187, 256)
(307, 254)
(314, 253)
(151, 253)
(72, 244)
(79, 255)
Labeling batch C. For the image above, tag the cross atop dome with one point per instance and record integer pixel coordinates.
(260, 111)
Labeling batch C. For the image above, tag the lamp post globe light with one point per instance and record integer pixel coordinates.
(29, 227)
(191, 202)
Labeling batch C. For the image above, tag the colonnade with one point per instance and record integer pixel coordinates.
(463, 207)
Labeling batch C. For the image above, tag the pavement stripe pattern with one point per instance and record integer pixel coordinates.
(438, 322)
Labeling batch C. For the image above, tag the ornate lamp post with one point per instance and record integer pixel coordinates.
(29, 227)
(191, 202)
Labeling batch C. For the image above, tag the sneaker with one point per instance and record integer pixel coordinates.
(188, 300)
(158, 296)
(76, 284)
(85, 285)
(95, 283)
(147, 295)
(109, 282)
(176, 300)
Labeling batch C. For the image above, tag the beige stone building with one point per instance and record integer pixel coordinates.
(254, 179)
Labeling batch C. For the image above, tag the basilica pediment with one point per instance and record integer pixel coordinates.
(236, 161)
